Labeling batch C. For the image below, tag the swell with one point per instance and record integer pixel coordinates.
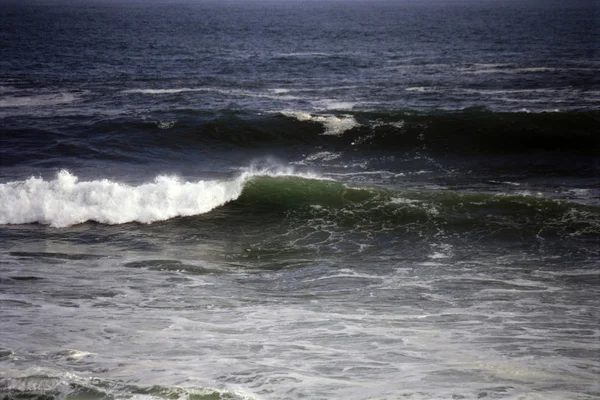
(467, 131)
(168, 134)
(257, 197)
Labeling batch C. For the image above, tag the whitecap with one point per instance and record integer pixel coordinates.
(334, 125)
(66, 201)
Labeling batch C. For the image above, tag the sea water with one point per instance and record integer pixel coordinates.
(283, 200)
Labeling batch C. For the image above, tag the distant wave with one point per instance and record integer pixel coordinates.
(464, 132)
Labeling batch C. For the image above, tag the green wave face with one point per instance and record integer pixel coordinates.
(330, 205)
(292, 193)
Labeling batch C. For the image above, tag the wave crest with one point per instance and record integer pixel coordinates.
(66, 201)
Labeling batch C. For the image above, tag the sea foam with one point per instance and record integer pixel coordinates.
(333, 125)
(66, 201)
(38, 100)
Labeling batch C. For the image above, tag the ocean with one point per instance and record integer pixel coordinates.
(299, 199)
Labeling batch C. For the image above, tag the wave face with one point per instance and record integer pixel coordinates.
(342, 208)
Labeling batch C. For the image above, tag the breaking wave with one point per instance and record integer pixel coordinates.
(66, 201)
(276, 193)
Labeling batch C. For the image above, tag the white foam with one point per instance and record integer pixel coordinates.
(505, 182)
(505, 69)
(305, 54)
(397, 124)
(437, 255)
(164, 91)
(332, 104)
(277, 94)
(345, 273)
(550, 92)
(74, 355)
(66, 201)
(279, 90)
(333, 124)
(324, 156)
(38, 100)
(165, 124)
(300, 116)
(318, 156)
(401, 200)
(184, 90)
(430, 209)
(421, 89)
(440, 251)
(271, 167)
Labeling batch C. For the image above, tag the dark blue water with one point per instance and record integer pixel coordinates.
(299, 199)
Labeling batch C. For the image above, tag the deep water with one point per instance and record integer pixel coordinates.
(282, 200)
